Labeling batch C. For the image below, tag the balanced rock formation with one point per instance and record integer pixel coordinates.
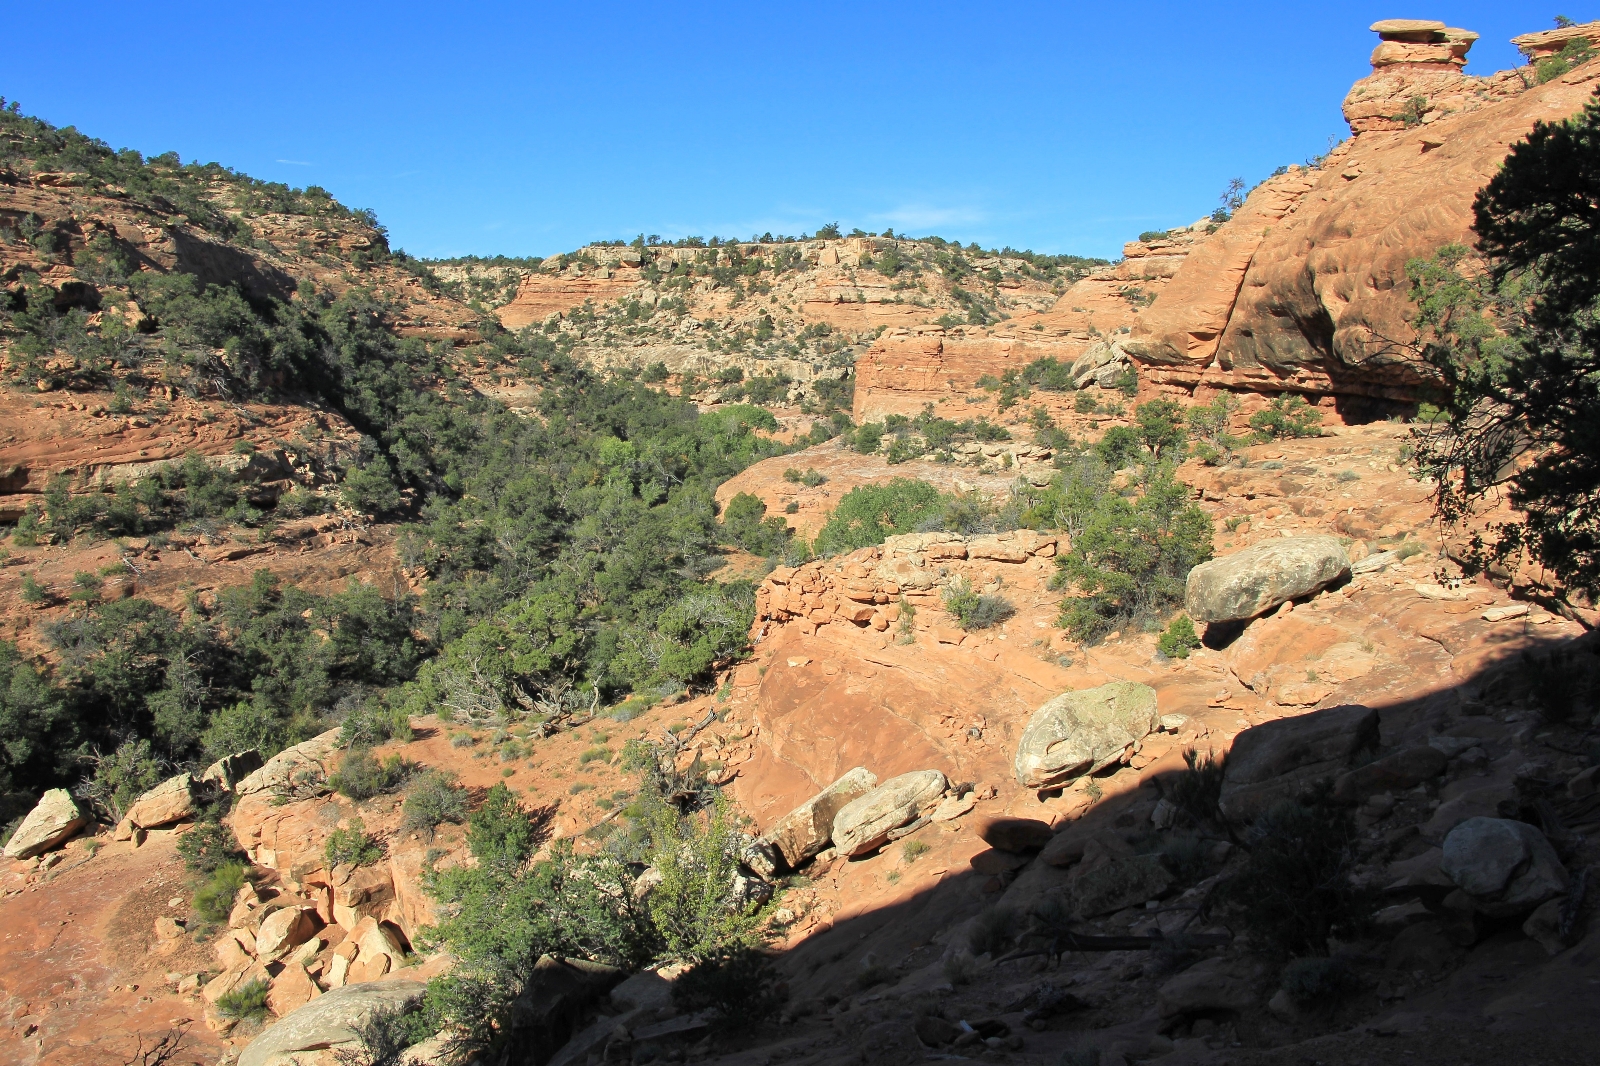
(865, 823)
(52, 821)
(1249, 582)
(1081, 732)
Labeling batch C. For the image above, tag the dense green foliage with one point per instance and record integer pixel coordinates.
(1295, 891)
(869, 513)
(1517, 349)
(975, 610)
(502, 914)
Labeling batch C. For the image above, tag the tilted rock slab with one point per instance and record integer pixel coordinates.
(52, 821)
(808, 828)
(1290, 757)
(1081, 732)
(865, 822)
(327, 1021)
(171, 801)
(1259, 578)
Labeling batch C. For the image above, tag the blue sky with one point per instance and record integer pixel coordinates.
(531, 128)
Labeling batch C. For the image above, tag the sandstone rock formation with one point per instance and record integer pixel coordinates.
(171, 801)
(1081, 732)
(53, 820)
(864, 823)
(1247, 583)
(1546, 43)
(808, 828)
(1288, 758)
(1305, 289)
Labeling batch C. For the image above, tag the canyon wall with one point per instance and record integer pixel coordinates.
(1305, 288)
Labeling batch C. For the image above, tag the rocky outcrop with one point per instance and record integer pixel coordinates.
(1255, 580)
(226, 773)
(53, 820)
(808, 828)
(1305, 288)
(1081, 732)
(1547, 43)
(864, 824)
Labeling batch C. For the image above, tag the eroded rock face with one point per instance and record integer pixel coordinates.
(1081, 732)
(1255, 580)
(1305, 288)
(228, 771)
(865, 823)
(1506, 867)
(808, 828)
(52, 821)
(328, 1020)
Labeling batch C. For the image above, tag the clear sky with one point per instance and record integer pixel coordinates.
(530, 128)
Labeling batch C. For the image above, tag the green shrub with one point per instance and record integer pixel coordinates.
(1198, 790)
(867, 514)
(738, 983)
(595, 754)
(351, 846)
(32, 591)
(1320, 982)
(1288, 416)
(975, 611)
(123, 776)
(1295, 890)
(1154, 235)
(433, 799)
(693, 908)
(912, 850)
(745, 523)
(361, 776)
(1085, 404)
(992, 930)
(1130, 558)
(213, 900)
(1214, 445)
(248, 1002)
(207, 847)
(375, 722)
(1179, 639)
(869, 437)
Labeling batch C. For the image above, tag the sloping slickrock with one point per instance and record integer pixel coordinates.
(1506, 866)
(326, 1021)
(806, 830)
(171, 801)
(1291, 756)
(1118, 882)
(283, 768)
(1259, 578)
(1081, 732)
(53, 820)
(864, 823)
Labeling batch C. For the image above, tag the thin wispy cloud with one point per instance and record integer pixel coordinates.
(924, 216)
(295, 162)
